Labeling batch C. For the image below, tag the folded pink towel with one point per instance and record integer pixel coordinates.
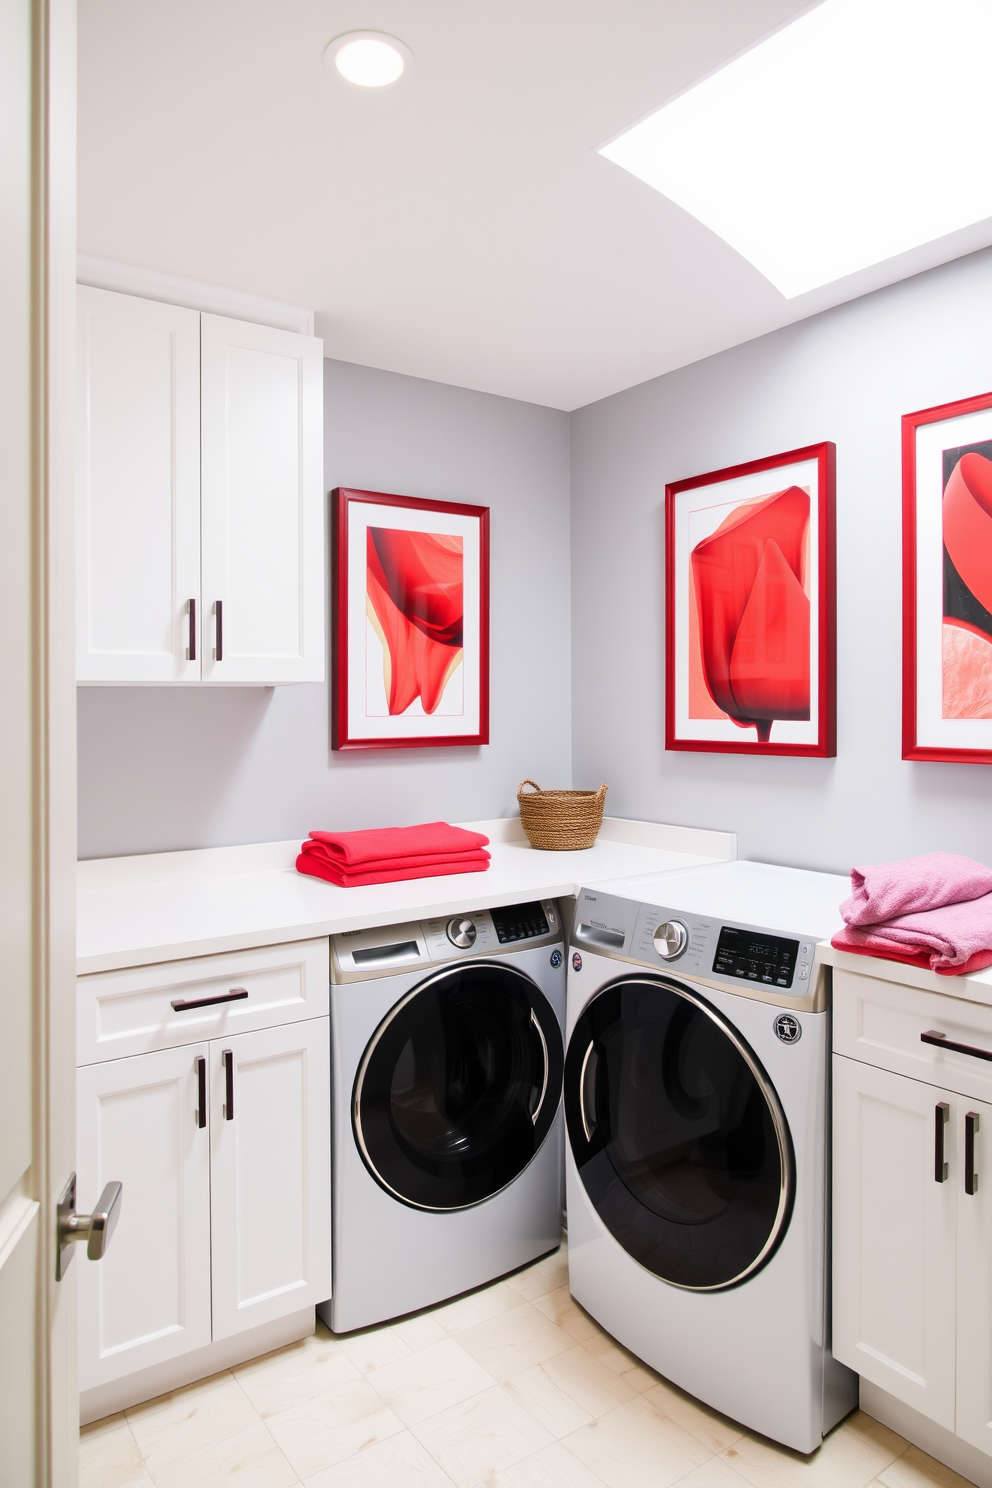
(955, 939)
(905, 888)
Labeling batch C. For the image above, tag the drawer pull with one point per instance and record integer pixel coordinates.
(191, 612)
(970, 1176)
(228, 1085)
(943, 1042)
(940, 1117)
(201, 1091)
(182, 1005)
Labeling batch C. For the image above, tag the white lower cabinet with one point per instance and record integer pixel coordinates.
(223, 1149)
(912, 1200)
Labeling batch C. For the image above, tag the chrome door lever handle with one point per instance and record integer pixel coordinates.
(96, 1228)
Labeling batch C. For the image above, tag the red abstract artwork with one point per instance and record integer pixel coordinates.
(754, 611)
(415, 590)
(966, 650)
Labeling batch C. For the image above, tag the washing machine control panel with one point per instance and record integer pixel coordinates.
(357, 955)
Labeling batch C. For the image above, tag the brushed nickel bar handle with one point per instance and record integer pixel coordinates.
(941, 1041)
(228, 1084)
(191, 612)
(970, 1130)
(183, 1005)
(219, 612)
(940, 1117)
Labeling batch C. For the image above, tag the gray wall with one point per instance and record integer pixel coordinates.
(169, 768)
(846, 375)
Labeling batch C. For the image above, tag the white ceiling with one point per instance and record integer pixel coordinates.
(458, 226)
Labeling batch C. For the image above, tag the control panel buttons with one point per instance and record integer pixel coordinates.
(671, 939)
(462, 932)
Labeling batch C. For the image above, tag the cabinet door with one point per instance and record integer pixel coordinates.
(148, 1300)
(262, 515)
(974, 1338)
(138, 489)
(271, 1174)
(894, 1259)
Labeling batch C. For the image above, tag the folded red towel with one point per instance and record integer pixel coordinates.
(396, 872)
(953, 940)
(912, 885)
(317, 852)
(378, 844)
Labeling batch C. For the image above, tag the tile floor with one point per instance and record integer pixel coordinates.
(512, 1386)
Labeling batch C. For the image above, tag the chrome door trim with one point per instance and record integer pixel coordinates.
(356, 1099)
(547, 1067)
(768, 1091)
(582, 1089)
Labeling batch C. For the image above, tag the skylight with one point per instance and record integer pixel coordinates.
(859, 131)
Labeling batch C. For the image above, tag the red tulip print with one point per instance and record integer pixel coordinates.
(754, 612)
(414, 587)
(967, 628)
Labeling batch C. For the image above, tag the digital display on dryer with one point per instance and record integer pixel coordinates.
(752, 957)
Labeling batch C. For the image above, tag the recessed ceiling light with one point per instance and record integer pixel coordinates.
(369, 58)
(859, 131)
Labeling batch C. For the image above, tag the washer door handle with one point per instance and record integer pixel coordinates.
(544, 1053)
(587, 1126)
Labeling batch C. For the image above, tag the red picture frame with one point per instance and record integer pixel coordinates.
(410, 641)
(748, 528)
(946, 541)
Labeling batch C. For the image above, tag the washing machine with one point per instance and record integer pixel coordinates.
(697, 1163)
(447, 1135)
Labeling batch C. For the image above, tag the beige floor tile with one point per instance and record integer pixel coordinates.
(205, 1434)
(637, 1446)
(708, 1426)
(613, 1356)
(291, 1375)
(543, 1277)
(476, 1307)
(513, 1341)
(398, 1462)
(857, 1451)
(554, 1467)
(717, 1473)
(109, 1456)
(537, 1392)
(329, 1428)
(481, 1437)
(562, 1309)
(419, 1332)
(596, 1388)
(429, 1381)
(374, 1347)
(914, 1469)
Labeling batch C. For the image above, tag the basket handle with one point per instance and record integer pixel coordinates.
(601, 794)
(520, 788)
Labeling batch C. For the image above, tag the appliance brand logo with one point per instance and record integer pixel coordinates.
(788, 1028)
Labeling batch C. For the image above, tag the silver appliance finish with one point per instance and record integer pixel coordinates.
(758, 1351)
(389, 1258)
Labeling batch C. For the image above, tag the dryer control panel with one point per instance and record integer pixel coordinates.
(771, 967)
(359, 954)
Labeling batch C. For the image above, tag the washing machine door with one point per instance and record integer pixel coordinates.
(680, 1140)
(459, 1086)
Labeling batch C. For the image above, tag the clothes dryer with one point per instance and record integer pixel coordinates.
(697, 1163)
(447, 1132)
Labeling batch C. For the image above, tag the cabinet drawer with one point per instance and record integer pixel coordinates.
(135, 1011)
(880, 1022)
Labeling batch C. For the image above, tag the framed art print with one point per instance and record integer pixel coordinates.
(749, 601)
(411, 622)
(947, 582)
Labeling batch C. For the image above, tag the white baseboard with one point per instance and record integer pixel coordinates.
(935, 1440)
(146, 1384)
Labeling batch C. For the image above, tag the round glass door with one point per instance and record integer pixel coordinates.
(459, 1086)
(678, 1135)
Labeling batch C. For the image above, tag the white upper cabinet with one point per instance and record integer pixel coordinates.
(138, 488)
(201, 534)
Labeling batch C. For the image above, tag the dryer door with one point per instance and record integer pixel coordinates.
(678, 1135)
(459, 1086)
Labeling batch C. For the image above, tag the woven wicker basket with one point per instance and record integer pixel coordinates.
(560, 820)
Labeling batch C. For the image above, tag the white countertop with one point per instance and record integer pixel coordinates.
(165, 906)
(974, 988)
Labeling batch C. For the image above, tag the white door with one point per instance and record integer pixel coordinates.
(974, 1310)
(270, 1174)
(138, 490)
(262, 503)
(138, 1121)
(894, 1224)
